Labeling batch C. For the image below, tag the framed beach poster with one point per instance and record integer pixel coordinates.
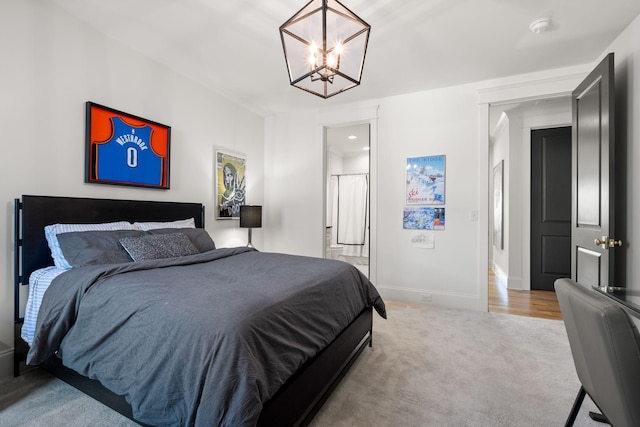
(230, 183)
(425, 180)
(124, 149)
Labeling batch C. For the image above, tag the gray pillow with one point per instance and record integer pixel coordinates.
(155, 246)
(95, 247)
(198, 236)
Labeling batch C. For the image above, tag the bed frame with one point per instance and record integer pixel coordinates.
(297, 401)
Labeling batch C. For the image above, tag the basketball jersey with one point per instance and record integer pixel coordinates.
(128, 157)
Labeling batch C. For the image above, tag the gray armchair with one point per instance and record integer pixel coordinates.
(606, 352)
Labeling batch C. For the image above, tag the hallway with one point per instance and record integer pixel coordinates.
(522, 303)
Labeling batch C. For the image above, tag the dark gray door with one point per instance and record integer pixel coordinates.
(593, 240)
(550, 206)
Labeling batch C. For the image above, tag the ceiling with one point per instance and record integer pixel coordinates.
(348, 140)
(233, 47)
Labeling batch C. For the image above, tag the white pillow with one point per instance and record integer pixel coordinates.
(181, 223)
(51, 232)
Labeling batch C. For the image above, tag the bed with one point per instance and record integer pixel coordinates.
(228, 336)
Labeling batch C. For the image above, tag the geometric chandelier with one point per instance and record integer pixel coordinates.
(324, 48)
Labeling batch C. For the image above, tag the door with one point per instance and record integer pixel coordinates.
(593, 240)
(550, 206)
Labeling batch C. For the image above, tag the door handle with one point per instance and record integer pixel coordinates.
(613, 243)
(606, 243)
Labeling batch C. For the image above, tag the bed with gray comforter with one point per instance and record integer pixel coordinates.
(203, 339)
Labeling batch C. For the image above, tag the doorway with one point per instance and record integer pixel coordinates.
(511, 128)
(348, 189)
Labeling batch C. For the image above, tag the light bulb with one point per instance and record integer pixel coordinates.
(332, 60)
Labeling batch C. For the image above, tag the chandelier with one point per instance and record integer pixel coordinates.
(324, 47)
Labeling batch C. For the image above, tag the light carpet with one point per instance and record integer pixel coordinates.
(429, 366)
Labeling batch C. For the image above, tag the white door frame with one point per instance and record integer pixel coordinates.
(548, 85)
(351, 116)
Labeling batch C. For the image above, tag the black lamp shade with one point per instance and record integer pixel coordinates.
(250, 216)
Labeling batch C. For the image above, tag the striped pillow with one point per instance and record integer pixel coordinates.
(181, 223)
(51, 232)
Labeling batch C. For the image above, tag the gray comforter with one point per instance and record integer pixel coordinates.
(200, 340)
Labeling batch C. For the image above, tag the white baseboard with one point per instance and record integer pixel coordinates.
(507, 281)
(450, 300)
(515, 283)
(6, 363)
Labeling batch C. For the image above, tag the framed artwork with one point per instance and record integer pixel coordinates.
(124, 149)
(498, 205)
(423, 218)
(425, 180)
(230, 184)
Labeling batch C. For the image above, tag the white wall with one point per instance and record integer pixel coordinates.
(294, 170)
(356, 163)
(420, 124)
(334, 163)
(500, 143)
(453, 121)
(52, 65)
(334, 167)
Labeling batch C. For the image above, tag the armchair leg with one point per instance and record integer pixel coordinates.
(576, 407)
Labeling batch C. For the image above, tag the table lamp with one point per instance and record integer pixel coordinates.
(250, 217)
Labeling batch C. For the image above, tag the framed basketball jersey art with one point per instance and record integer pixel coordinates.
(123, 149)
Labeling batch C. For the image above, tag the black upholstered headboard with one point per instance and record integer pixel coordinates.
(33, 213)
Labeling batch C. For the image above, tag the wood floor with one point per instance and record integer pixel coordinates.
(523, 303)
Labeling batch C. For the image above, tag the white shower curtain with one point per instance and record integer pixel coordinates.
(351, 215)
